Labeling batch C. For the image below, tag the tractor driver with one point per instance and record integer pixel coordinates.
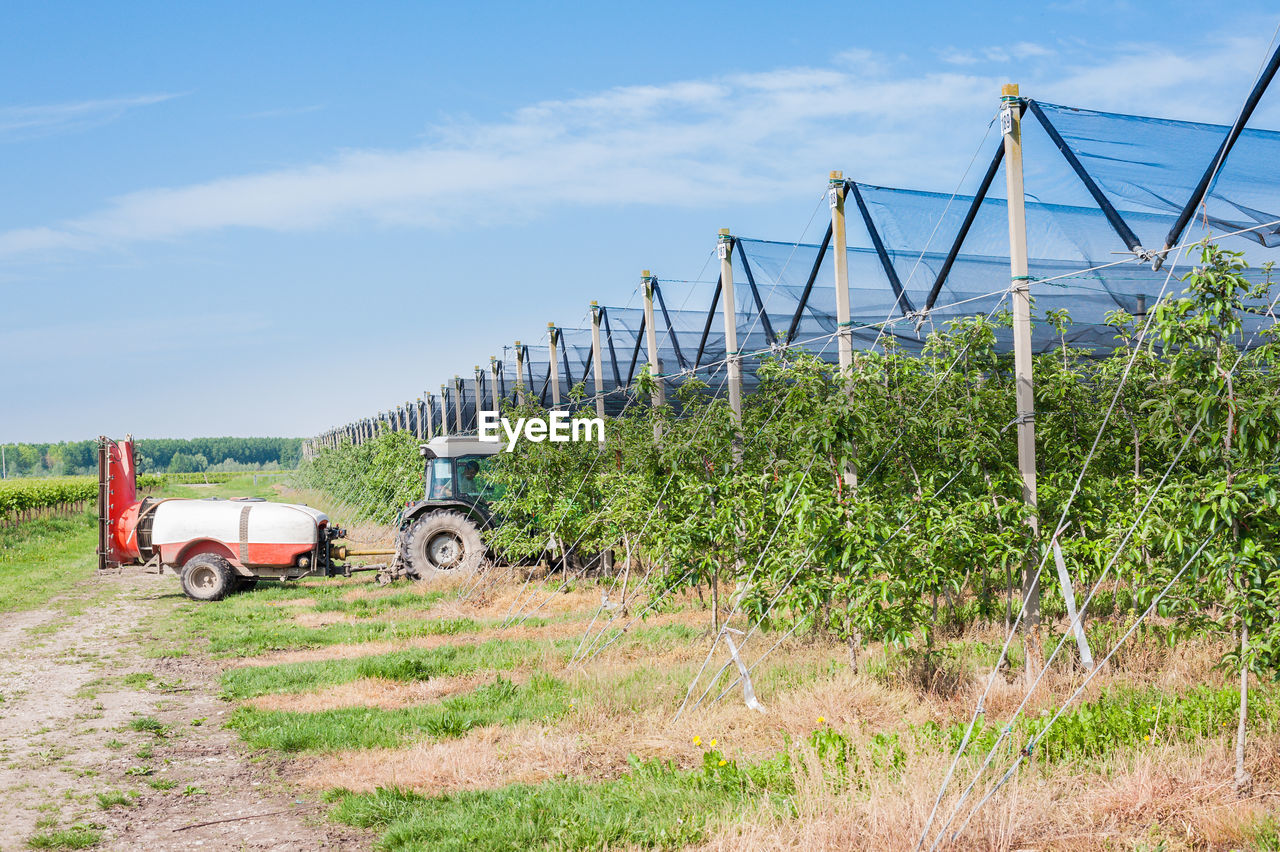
(467, 482)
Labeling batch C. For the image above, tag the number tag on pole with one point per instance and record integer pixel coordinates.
(722, 250)
(833, 197)
(1006, 120)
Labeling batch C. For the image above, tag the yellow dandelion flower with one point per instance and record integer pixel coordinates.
(697, 740)
(822, 719)
(721, 763)
(713, 743)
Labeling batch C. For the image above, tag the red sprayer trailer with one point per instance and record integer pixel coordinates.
(215, 546)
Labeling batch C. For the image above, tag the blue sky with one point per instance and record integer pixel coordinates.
(273, 218)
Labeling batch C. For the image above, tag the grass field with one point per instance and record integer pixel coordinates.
(428, 715)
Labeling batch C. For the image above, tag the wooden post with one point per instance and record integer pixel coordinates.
(844, 332)
(597, 371)
(553, 334)
(659, 396)
(444, 410)
(1011, 124)
(519, 374)
(459, 388)
(724, 245)
(493, 384)
(844, 328)
(431, 416)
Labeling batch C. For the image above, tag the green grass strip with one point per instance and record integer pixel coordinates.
(424, 663)
(43, 558)
(407, 665)
(498, 703)
(654, 805)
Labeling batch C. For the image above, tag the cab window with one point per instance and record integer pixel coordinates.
(439, 479)
(472, 481)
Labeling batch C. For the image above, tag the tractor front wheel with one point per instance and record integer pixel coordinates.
(208, 577)
(441, 543)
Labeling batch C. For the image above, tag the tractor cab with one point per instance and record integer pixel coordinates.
(440, 534)
(456, 467)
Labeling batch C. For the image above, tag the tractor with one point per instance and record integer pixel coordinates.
(439, 535)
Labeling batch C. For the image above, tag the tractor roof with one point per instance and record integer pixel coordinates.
(452, 446)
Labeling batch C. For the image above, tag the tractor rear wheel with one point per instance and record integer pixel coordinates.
(441, 543)
(208, 577)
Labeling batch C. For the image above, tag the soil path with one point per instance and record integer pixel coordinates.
(80, 700)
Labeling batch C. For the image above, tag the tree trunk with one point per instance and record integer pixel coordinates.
(855, 650)
(715, 600)
(1244, 782)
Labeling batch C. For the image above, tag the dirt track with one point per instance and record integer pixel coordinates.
(65, 735)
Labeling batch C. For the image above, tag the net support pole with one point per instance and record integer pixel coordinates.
(553, 335)
(459, 400)
(597, 362)
(519, 374)
(429, 419)
(1011, 125)
(724, 246)
(659, 395)
(844, 318)
(444, 410)
(844, 331)
(493, 384)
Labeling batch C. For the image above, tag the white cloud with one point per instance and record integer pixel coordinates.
(20, 122)
(1019, 50)
(743, 137)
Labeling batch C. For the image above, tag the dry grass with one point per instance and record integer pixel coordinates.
(628, 697)
(365, 649)
(369, 692)
(1180, 795)
(553, 630)
(486, 758)
(323, 619)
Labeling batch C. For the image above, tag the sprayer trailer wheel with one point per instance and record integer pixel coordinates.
(441, 543)
(208, 577)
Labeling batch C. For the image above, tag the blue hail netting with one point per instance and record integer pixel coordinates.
(1145, 168)
(1153, 165)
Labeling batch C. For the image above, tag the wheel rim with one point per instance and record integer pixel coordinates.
(204, 579)
(444, 550)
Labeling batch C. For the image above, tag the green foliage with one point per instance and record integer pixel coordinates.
(934, 532)
(114, 798)
(376, 478)
(24, 495)
(79, 836)
(70, 458)
(1120, 718)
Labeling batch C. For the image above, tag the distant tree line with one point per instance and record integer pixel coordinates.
(157, 455)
